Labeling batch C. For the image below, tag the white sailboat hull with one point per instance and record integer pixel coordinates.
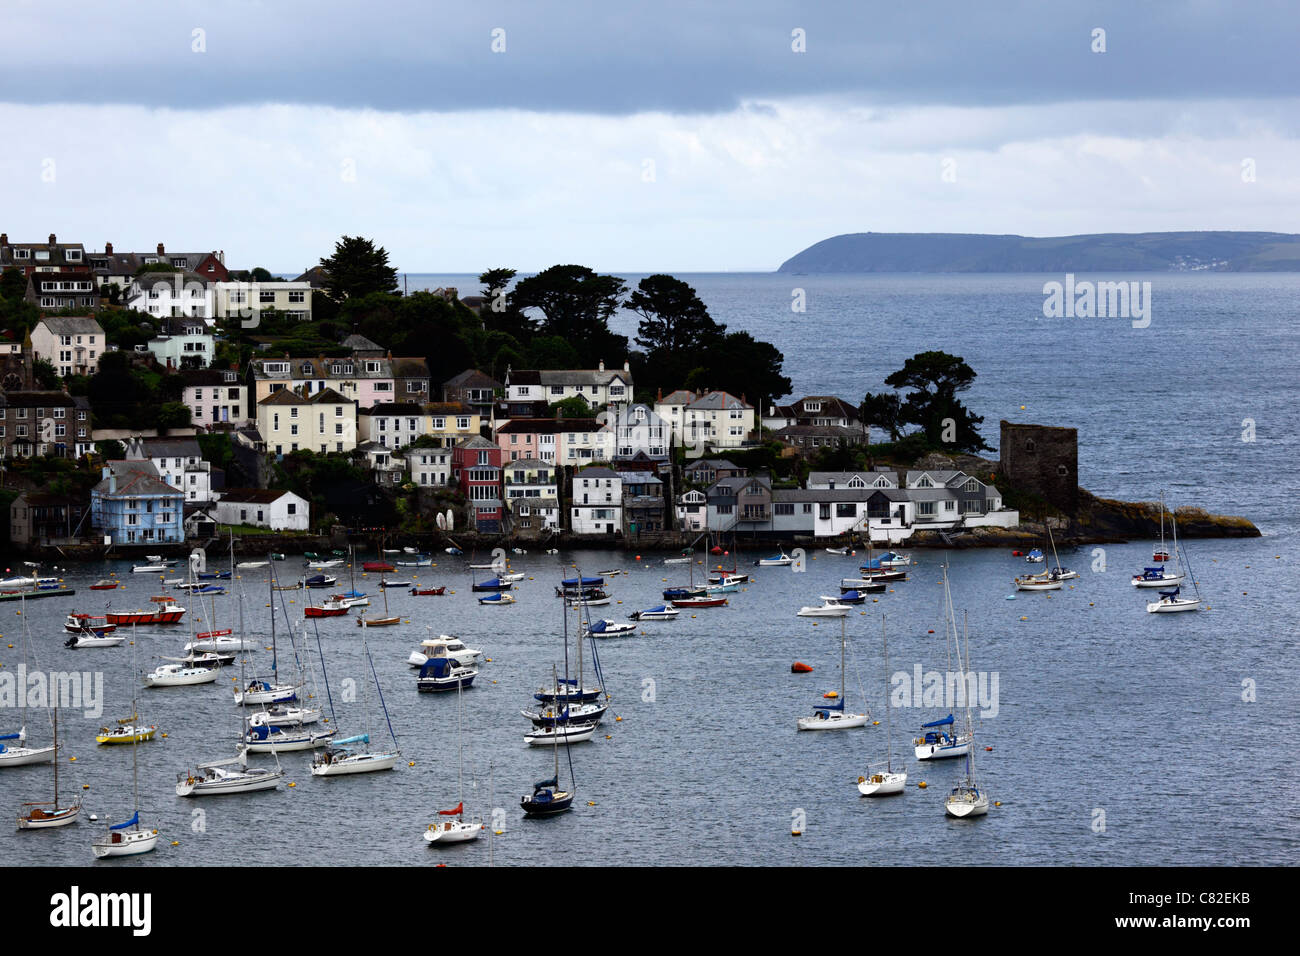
(1173, 605)
(825, 610)
(245, 782)
(92, 641)
(833, 721)
(22, 756)
(964, 802)
(183, 677)
(1031, 584)
(60, 817)
(882, 784)
(454, 832)
(132, 843)
(355, 763)
(942, 752)
(546, 736)
(1139, 582)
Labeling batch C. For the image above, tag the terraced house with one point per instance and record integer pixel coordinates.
(51, 256)
(391, 426)
(532, 495)
(365, 381)
(44, 423)
(215, 396)
(600, 387)
(247, 300)
(62, 290)
(322, 422)
(560, 441)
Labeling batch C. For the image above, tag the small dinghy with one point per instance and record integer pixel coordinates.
(692, 602)
(394, 584)
(425, 592)
(497, 599)
(105, 585)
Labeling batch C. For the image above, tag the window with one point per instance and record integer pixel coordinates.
(807, 509)
(845, 510)
(925, 508)
(264, 297)
(462, 422)
(950, 506)
(971, 485)
(297, 296)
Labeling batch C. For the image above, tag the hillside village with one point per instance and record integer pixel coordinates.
(361, 437)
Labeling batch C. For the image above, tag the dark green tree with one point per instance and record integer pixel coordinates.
(675, 330)
(883, 411)
(13, 284)
(357, 268)
(499, 313)
(576, 304)
(46, 375)
(744, 366)
(935, 379)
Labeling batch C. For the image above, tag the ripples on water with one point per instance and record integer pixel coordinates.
(1102, 706)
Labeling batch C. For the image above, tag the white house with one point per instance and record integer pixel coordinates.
(532, 491)
(183, 343)
(429, 467)
(716, 420)
(597, 505)
(179, 462)
(391, 425)
(264, 508)
(180, 295)
(638, 429)
(599, 387)
(72, 344)
(247, 300)
(692, 511)
(215, 396)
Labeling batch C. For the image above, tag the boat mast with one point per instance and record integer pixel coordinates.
(842, 639)
(889, 740)
(965, 678)
(56, 756)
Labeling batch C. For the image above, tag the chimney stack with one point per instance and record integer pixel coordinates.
(53, 240)
(108, 248)
(4, 238)
(602, 361)
(161, 250)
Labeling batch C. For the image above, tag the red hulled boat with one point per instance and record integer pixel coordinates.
(166, 611)
(77, 623)
(436, 592)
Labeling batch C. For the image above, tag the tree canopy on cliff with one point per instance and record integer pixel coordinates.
(934, 379)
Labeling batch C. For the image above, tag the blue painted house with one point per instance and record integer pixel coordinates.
(131, 505)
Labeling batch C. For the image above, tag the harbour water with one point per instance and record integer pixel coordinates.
(1120, 737)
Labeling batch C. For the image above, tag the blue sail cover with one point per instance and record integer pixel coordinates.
(436, 667)
(1170, 594)
(362, 739)
(1153, 572)
(11, 736)
(316, 579)
(939, 723)
(132, 822)
(597, 628)
(822, 705)
(850, 596)
(491, 583)
(582, 582)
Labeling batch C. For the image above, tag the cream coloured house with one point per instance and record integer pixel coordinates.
(323, 422)
(72, 344)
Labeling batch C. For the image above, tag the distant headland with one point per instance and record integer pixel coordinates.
(1106, 252)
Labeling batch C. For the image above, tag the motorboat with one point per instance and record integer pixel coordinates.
(829, 609)
(443, 674)
(444, 645)
(497, 600)
(607, 628)
(662, 612)
(180, 675)
(165, 611)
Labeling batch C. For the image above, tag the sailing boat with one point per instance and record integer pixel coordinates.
(1170, 601)
(966, 799)
(22, 755)
(939, 742)
(1160, 577)
(212, 777)
(458, 830)
(127, 839)
(37, 817)
(548, 799)
(386, 620)
(828, 716)
(339, 758)
(880, 783)
(260, 690)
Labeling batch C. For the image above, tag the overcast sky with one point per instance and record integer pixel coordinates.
(671, 135)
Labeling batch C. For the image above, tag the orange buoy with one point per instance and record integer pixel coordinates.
(799, 667)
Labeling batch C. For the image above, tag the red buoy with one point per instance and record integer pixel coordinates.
(799, 667)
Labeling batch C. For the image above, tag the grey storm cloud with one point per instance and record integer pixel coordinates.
(629, 57)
